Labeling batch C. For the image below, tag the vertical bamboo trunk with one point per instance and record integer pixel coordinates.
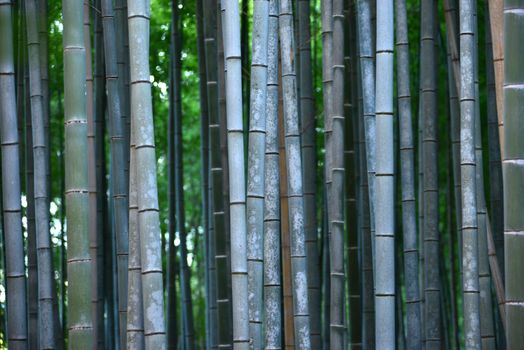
(237, 190)
(487, 331)
(494, 148)
(44, 75)
(513, 170)
(352, 182)
(368, 309)
(98, 311)
(11, 206)
(428, 113)
(222, 119)
(495, 171)
(172, 326)
(496, 19)
(135, 315)
(385, 195)
(326, 9)
(294, 177)
(118, 185)
(187, 307)
(41, 201)
(287, 292)
(209, 245)
(256, 166)
(367, 76)
(32, 278)
(407, 174)
(308, 124)
(467, 170)
(336, 199)
(147, 196)
(272, 248)
(216, 178)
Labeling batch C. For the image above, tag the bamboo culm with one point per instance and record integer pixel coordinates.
(272, 258)
(237, 190)
(46, 321)
(11, 205)
(118, 185)
(428, 134)
(308, 124)
(216, 178)
(294, 178)
(407, 174)
(513, 170)
(385, 168)
(256, 166)
(467, 171)
(147, 196)
(336, 224)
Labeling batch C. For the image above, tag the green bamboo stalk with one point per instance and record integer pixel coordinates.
(367, 76)
(217, 177)
(99, 140)
(407, 175)
(294, 177)
(11, 205)
(272, 247)
(135, 314)
(98, 311)
(237, 191)
(385, 169)
(256, 166)
(494, 144)
(206, 189)
(352, 180)
(308, 124)
(148, 213)
(172, 327)
(428, 114)
(513, 170)
(43, 242)
(118, 189)
(470, 279)
(368, 308)
(185, 288)
(497, 33)
(336, 199)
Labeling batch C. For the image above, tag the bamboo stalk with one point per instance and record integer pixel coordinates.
(148, 213)
(467, 170)
(513, 169)
(237, 191)
(272, 233)
(11, 189)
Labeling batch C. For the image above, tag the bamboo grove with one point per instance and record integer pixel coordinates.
(309, 174)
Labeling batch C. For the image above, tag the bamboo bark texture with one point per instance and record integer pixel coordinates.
(217, 177)
(308, 124)
(385, 181)
(294, 177)
(407, 174)
(256, 166)
(513, 170)
(79, 267)
(428, 115)
(11, 206)
(467, 171)
(272, 248)
(336, 224)
(118, 185)
(147, 196)
(237, 190)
